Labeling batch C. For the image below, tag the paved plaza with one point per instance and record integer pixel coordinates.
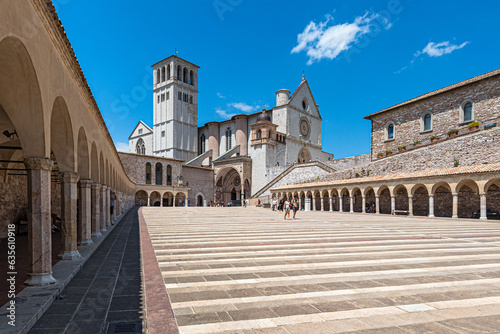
(237, 270)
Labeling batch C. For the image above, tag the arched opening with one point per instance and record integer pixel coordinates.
(179, 74)
(169, 175)
(191, 78)
(317, 200)
(229, 134)
(302, 198)
(370, 200)
(326, 200)
(148, 173)
(357, 200)
(185, 75)
(202, 143)
(154, 199)
(168, 72)
(401, 198)
(158, 76)
(168, 199)
(228, 187)
(140, 148)
(159, 174)
(180, 199)
(493, 199)
(345, 200)
(304, 155)
(335, 199)
(443, 200)
(469, 204)
(385, 201)
(163, 74)
(420, 201)
(247, 189)
(199, 200)
(141, 198)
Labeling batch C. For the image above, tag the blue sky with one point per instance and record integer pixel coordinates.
(358, 56)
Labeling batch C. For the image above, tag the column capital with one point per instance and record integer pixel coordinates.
(377, 196)
(35, 163)
(431, 195)
(85, 183)
(454, 194)
(363, 197)
(96, 186)
(69, 177)
(393, 196)
(410, 196)
(108, 187)
(103, 187)
(482, 194)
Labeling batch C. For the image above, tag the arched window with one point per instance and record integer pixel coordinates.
(259, 134)
(390, 131)
(140, 147)
(191, 78)
(163, 74)
(179, 70)
(159, 174)
(157, 76)
(148, 173)
(202, 143)
(228, 139)
(427, 122)
(468, 116)
(305, 105)
(185, 75)
(169, 175)
(168, 72)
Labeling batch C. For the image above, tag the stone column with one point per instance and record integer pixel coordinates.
(173, 201)
(363, 204)
(300, 202)
(330, 202)
(85, 213)
(39, 221)
(149, 200)
(482, 197)
(186, 201)
(431, 205)
(377, 205)
(341, 206)
(455, 206)
(351, 204)
(103, 211)
(307, 206)
(108, 206)
(322, 203)
(410, 205)
(96, 210)
(393, 204)
(69, 199)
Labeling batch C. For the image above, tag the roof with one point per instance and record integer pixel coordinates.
(147, 127)
(184, 60)
(485, 168)
(439, 91)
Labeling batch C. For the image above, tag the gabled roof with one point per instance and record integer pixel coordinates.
(439, 91)
(175, 57)
(145, 125)
(306, 84)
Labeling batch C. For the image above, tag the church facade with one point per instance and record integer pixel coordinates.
(243, 150)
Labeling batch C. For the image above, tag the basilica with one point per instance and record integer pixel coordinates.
(245, 152)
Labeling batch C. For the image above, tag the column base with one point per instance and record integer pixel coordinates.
(96, 234)
(85, 242)
(431, 216)
(103, 229)
(330, 210)
(454, 216)
(108, 223)
(40, 279)
(71, 255)
(483, 218)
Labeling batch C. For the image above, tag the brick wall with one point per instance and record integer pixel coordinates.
(135, 167)
(200, 181)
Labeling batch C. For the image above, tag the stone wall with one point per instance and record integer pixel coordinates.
(200, 181)
(13, 201)
(446, 110)
(349, 162)
(135, 167)
(472, 149)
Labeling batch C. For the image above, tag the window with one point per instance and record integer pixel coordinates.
(179, 72)
(191, 99)
(168, 95)
(202, 143)
(427, 122)
(169, 175)
(158, 98)
(191, 78)
(140, 147)
(163, 133)
(228, 139)
(148, 173)
(163, 74)
(140, 132)
(168, 72)
(390, 131)
(180, 96)
(259, 134)
(305, 105)
(159, 174)
(185, 75)
(468, 112)
(162, 97)
(157, 76)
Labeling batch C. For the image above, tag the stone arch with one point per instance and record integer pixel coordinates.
(492, 191)
(443, 199)
(357, 200)
(228, 186)
(199, 199)
(180, 199)
(345, 200)
(61, 136)
(401, 198)
(168, 199)
(316, 203)
(304, 155)
(325, 195)
(141, 198)
(158, 173)
(20, 97)
(101, 168)
(94, 162)
(468, 198)
(154, 199)
(83, 155)
(384, 194)
(369, 193)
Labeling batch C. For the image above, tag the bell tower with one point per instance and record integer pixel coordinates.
(175, 111)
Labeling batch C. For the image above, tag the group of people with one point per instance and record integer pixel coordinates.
(286, 205)
(370, 208)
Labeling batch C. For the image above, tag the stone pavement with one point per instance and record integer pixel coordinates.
(236, 270)
(108, 288)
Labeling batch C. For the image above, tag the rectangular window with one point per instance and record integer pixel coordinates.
(180, 96)
(163, 133)
(140, 131)
(162, 97)
(168, 95)
(191, 99)
(158, 98)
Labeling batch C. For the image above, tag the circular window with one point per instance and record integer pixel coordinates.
(305, 105)
(304, 127)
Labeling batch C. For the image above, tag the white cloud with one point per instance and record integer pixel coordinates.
(122, 147)
(224, 113)
(324, 40)
(220, 95)
(242, 106)
(438, 49)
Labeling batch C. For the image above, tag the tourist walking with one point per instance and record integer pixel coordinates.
(287, 205)
(295, 206)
